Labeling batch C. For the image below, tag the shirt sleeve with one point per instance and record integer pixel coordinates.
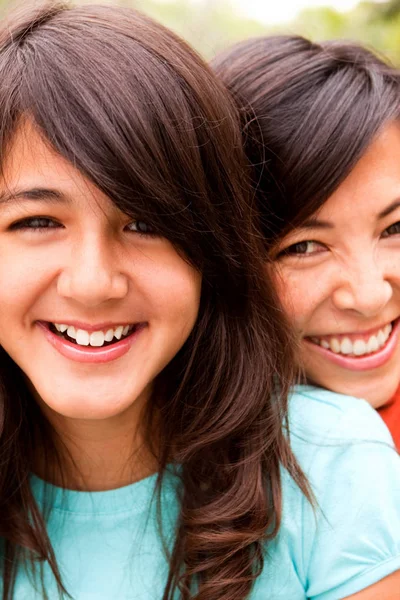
(351, 537)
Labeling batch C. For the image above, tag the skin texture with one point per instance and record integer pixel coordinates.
(90, 266)
(346, 279)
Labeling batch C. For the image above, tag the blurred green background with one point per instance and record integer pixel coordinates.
(211, 25)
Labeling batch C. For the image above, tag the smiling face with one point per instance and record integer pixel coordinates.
(92, 307)
(339, 279)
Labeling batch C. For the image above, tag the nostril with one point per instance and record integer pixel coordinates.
(94, 289)
(365, 297)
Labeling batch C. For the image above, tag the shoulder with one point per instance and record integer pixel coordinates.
(326, 416)
(342, 444)
(347, 454)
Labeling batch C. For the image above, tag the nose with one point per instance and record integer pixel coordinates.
(92, 275)
(363, 288)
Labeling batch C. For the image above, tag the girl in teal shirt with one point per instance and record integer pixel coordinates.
(145, 434)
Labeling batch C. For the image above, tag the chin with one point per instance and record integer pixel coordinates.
(85, 411)
(89, 409)
(376, 398)
(88, 404)
(376, 393)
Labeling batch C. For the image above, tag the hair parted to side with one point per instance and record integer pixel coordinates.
(309, 111)
(139, 113)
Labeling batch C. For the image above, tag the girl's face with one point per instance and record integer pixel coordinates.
(92, 307)
(339, 278)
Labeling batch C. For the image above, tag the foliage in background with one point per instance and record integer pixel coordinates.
(210, 25)
(376, 25)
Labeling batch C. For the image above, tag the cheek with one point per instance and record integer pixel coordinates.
(24, 276)
(172, 291)
(299, 298)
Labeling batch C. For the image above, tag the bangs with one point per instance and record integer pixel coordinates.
(310, 111)
(335, 121)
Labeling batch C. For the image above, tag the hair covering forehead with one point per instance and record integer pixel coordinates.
(310, 111)
(144, 118)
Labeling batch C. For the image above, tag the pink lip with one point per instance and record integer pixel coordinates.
(365, 363)
(88, 354)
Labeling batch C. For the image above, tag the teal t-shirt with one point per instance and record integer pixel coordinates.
(108, 548)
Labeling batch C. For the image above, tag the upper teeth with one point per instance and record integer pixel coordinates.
(356, 347)
(94, 338)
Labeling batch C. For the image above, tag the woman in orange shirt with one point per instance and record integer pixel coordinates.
(322, 130)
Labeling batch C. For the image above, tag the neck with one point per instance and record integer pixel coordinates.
(97, 455)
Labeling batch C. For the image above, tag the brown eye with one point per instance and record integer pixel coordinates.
(140, 227)
(392, 230)
(35, 223)
(305, 248)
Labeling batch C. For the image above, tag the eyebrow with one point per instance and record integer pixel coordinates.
(391, 208)
(314, 223)
(42, 194)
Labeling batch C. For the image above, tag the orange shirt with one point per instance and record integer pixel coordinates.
(390, 413)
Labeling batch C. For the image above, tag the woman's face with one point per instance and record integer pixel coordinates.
(91, 309)
(339, 278)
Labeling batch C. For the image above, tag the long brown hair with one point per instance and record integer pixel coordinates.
(140, 115)
(309, 111)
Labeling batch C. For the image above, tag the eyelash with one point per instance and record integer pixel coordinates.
(28, 223)
(397, 225)
(43, 223)
(286, 251)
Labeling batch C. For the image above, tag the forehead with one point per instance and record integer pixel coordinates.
(372, 184)
(31, 164)
(29, 156)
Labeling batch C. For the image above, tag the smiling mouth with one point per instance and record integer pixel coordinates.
(97, 339)
(355, 345)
